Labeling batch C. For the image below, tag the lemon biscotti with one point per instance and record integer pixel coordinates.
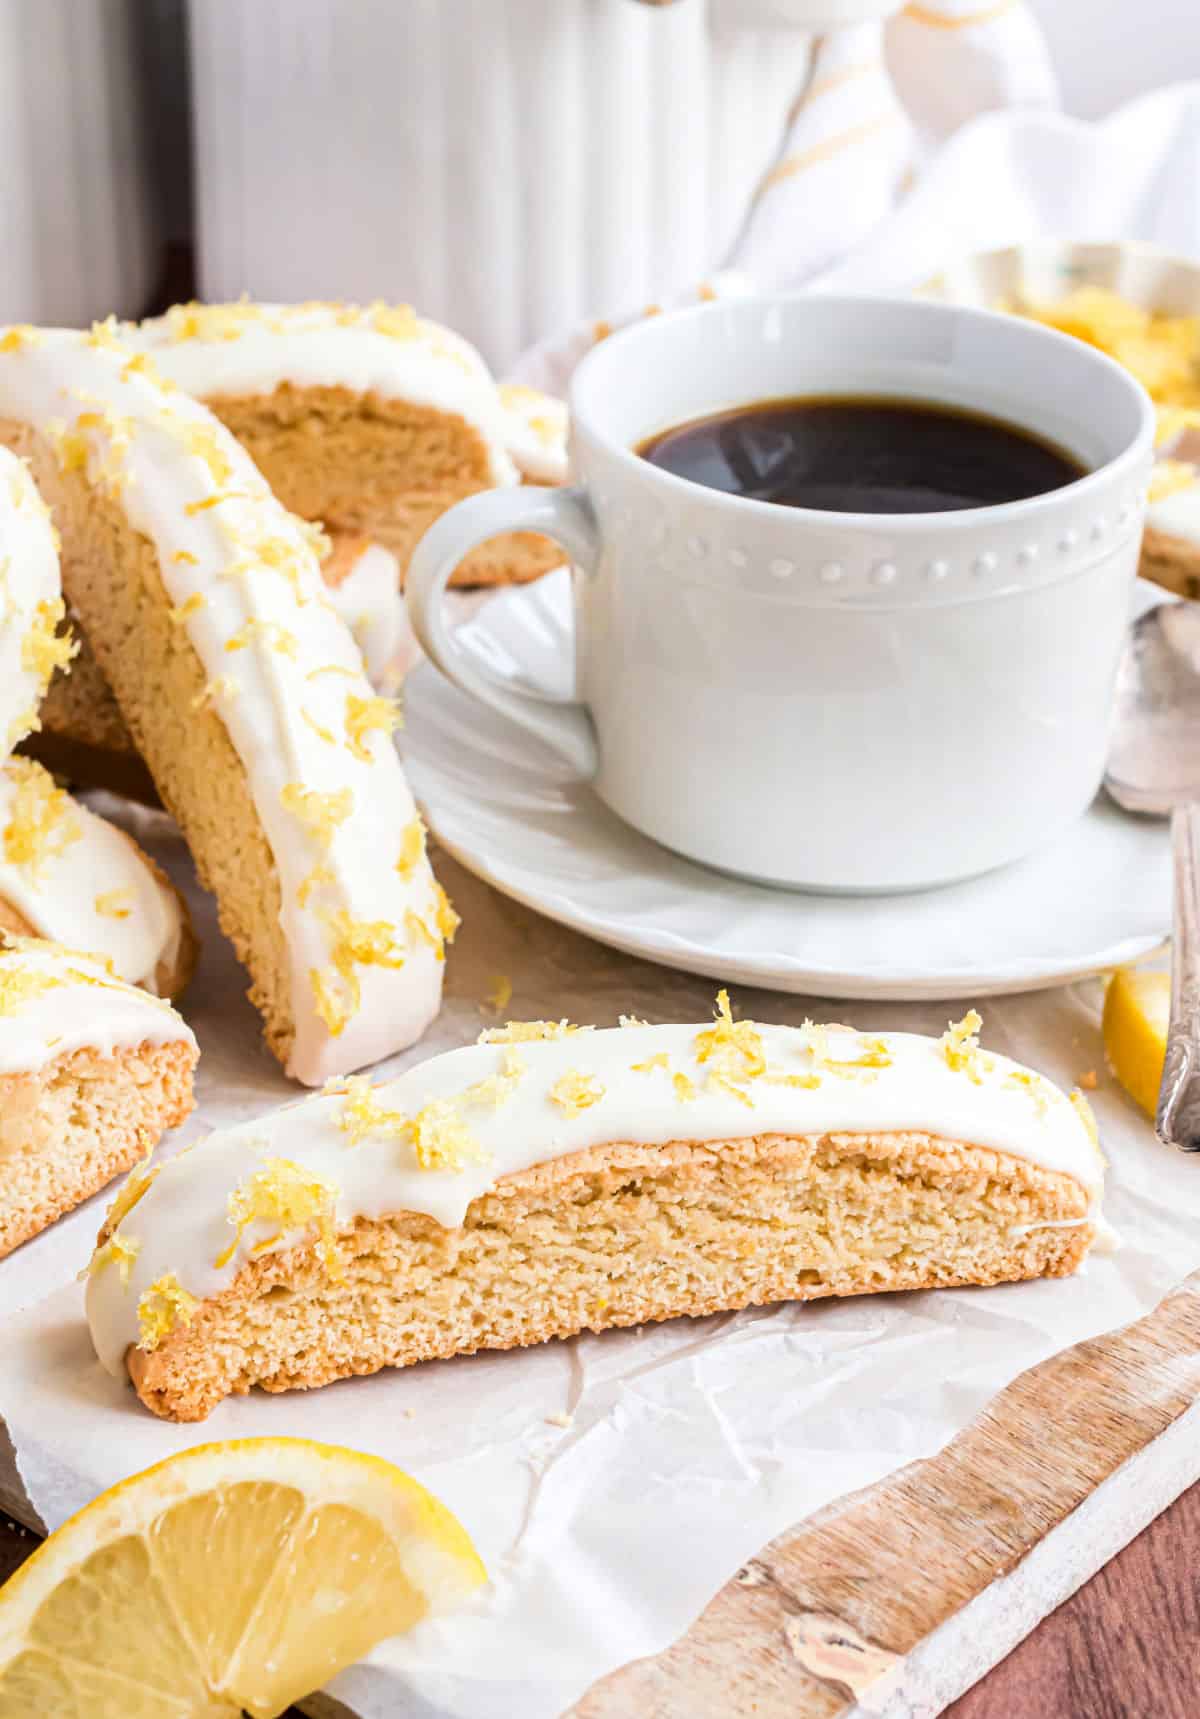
(203, 602)
(366, 418)
(91, 1073)
(82, 734)
(549, 1181)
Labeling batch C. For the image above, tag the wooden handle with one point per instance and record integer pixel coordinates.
(1178, 1119)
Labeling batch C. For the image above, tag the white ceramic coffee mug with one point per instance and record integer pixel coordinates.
(835, 701)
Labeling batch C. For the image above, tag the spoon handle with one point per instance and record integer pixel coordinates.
(1178, 1119)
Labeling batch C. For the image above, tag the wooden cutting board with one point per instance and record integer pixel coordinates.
(892, 1602)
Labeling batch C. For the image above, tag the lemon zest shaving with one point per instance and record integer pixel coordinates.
(111, 905)
(161, 1309)
(273, 635)
(366, 716)
(442, 1140)
(43, 822)
(575, 1092)
(412, 847)
(282, 1192)
(527, 1032)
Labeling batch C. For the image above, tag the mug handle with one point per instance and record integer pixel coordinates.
(563, 514)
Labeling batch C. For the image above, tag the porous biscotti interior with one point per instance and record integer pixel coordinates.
(383, 468)
(619, 1236)
(68, 1129)
(111, 578)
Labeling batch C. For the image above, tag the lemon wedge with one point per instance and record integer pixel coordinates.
(1136, 1008)
(231, 1577)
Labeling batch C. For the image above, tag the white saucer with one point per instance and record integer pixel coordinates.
(507, 809)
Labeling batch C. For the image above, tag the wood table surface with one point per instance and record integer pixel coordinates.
(1126, 1646)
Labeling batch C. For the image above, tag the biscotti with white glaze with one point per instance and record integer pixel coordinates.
(92, 1072)
(552, 1181)
(245, 694)
(370, 419)
(82, 736)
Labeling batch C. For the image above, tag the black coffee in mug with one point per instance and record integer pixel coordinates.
(860, 454)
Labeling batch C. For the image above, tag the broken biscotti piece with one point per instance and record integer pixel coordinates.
(366, 418)
(203, 602)
(551, 1180)
(91, 1073)
(82, 734)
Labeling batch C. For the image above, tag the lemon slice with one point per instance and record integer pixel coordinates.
(232, 1577)
(1136, 1008)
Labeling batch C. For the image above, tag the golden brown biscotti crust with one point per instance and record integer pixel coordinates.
(335, 456)
(623, 1235)
(67, 1129)
(1172, 562)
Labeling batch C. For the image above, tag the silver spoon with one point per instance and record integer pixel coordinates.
(1154, 768)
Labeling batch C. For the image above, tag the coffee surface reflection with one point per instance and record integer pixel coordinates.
(857, 454)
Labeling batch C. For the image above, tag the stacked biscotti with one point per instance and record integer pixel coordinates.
(244, 691)
(369, 421)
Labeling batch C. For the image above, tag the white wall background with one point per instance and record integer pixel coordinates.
(1108, 51)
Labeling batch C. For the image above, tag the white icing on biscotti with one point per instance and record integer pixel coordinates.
(477, 1115)
(363, 918)
(78, 880)
(1178, 515)
(31, 606)
(54, 1001)
(213, 350)
(368, 600)
(538, 432)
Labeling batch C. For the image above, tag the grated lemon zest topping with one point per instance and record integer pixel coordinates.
(322, 733)
(412, 848)
(526, 1032)
(142, 364)
(186, 558)
(203, 442)
(1024, 1080)
(362, 1115)
(496, 1089)
(331, 668)
(194, 507)
(959, 1044)
(112, 904)
(317, 876)
(447, 920)
(329, 1004)
(575, 1092)
(282, 1192)
(274, 636)
(223, 686)
(500, 995)
(733, 1048)
(19, 336)
(161, 1308)
(685, 1089)
(17, 988)
(43, 822)
(356, 943)
(442, 1140)
(366, 716)
(631, 1021)
(321, 814)
(44, 648)
(727, 1083)
(106, 334)
(120, 1251)
(191, 607)
(659, 1060)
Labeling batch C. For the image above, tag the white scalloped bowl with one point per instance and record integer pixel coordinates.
(1047, 269)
